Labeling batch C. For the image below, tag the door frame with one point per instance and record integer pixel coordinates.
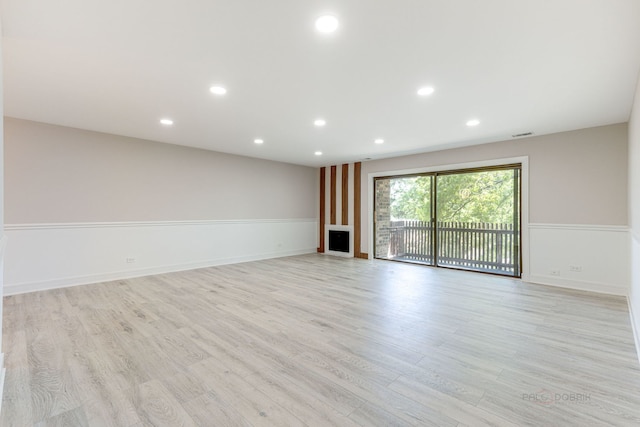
(524, 199)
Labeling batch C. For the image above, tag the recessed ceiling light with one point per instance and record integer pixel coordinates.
(318, 153)
(218, 90)
(473, 122)
(258, 141)
(425, 91)
(327, 24)
(379, 141)
(320, 122)
(166, 122)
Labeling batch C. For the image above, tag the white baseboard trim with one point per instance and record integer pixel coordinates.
(67, 282)
(636, 332)
(579, 285)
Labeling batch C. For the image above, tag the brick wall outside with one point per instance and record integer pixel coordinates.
(383, 216)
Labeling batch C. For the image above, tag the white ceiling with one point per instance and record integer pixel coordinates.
(119, 66)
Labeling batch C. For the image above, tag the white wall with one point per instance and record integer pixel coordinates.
(2, 236)
(577, 202)
(584, 257)
(634, 215)
(46, 256)
(84, 207)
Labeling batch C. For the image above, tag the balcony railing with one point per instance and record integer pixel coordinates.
(476, 246)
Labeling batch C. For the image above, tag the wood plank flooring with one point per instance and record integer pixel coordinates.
(319, 341)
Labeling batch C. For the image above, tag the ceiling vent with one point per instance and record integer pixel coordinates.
(520, 135)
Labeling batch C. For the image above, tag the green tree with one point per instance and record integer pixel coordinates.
(411, 198)
(467, 197)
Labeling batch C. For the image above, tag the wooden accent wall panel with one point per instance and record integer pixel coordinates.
(323, 206)
(357, 199)
(334, 179)
(345, 194)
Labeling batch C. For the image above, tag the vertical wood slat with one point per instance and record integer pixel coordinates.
(483, 243)
(499, 256)
(334, 178)
(457, 248)
(345, 194)
(357, 219)
(423, 243)
(323, 207)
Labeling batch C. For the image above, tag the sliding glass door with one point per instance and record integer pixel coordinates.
(466, 219)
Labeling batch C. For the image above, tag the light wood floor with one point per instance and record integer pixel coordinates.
(319, 341)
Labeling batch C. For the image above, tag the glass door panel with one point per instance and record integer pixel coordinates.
(478, 221)
(403, 219)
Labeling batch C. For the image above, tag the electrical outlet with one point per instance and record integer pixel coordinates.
(130, 260)
(555, 272)
(575, 268)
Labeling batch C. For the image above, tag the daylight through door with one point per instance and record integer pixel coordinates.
(466, 219)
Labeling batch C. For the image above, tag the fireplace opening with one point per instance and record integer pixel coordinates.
(339, 241)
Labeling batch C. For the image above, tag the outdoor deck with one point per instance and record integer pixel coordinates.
(485, 247)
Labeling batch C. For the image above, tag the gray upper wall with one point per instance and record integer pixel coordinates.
(56, 174)
(577, 177)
